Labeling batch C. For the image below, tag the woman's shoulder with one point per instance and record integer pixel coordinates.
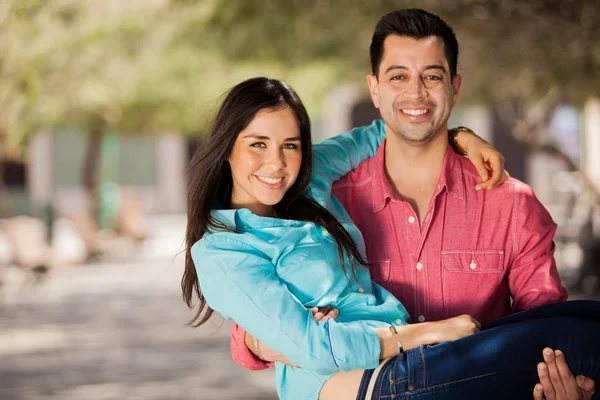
(223, 240)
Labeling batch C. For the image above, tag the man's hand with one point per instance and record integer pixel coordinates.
(557, 381)
(324, 313)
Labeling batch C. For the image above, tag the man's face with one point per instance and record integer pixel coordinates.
(414, 92)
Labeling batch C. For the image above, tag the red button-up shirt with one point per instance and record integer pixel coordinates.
(482, 253)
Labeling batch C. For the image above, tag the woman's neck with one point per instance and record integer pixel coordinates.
(259, 209)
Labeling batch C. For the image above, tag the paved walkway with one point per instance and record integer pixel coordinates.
(116, 332)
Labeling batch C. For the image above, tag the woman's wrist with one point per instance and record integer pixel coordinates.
(410, 336)
(460, 138)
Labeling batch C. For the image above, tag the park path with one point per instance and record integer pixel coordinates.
(116, 331)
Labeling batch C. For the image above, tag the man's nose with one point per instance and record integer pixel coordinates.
(416, 90)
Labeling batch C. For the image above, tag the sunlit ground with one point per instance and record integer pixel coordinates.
(116, 331)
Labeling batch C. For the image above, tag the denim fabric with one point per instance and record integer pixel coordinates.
(499, 362)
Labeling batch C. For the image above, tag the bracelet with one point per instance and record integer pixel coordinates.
(453, 138)
(256, 349)
(395, 333)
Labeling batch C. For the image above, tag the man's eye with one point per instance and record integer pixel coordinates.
(258, 144)
(434, 78)
(291, 146)
(397, 78)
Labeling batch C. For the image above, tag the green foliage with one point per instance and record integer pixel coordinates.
(149, 66)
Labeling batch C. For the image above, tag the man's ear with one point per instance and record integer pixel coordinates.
(373, 83)
(456, 88)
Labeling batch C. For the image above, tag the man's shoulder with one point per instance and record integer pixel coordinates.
(511, 187)
(358, 177)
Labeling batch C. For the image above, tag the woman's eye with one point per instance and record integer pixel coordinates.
(258, 144)
(290, 146)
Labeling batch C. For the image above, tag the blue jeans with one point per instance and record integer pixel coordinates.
(500, 362)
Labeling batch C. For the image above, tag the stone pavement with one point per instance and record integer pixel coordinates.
(116, 331)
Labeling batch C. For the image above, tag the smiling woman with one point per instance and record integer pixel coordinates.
(265, 161)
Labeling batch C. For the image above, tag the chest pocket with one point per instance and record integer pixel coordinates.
(380, 270)
(472, 281)
(473, 261)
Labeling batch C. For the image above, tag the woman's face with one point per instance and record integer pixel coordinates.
(265, 161)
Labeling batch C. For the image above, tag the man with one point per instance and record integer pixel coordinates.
(440, 246)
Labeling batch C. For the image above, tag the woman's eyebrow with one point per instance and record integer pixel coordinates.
(256, 136)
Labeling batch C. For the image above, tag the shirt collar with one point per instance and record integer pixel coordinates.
(451, 178)
(243, 219)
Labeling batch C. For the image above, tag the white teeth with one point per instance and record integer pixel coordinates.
(414, 112)
(271, 181)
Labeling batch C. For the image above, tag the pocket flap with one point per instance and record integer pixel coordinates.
(380, 270)
(473, 261)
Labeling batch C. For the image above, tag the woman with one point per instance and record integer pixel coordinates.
(266, 240)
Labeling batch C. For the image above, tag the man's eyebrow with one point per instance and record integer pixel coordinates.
(402, 67)
(436, 66)
(393, 67)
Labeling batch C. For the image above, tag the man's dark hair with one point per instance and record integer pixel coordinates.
(417, 24)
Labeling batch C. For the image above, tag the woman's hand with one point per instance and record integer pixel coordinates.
(454, 328)
(483, 156)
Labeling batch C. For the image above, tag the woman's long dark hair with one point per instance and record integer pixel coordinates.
(210, 180)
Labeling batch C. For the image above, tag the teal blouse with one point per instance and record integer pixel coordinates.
(268, 275)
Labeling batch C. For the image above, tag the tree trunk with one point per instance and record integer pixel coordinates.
(91, 169)
(5, 208)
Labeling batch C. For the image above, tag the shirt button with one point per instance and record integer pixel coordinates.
(325, 233)
(419, 266)
(361, 290)
(421, 318)
(473, 265)
(411, 219)
(398, 321)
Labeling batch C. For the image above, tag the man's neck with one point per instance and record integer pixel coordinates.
(413, 169)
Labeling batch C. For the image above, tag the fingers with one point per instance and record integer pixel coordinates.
(557, 382)
(572, 389)
(538, 392)
(587, 385)
(545, 383)
(496, 164)
(479, 164)
(331, 314)
(477, 324)
(324, 313)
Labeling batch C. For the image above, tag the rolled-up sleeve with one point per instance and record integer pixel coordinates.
(239, 282)
(240, 352)
(533, 276)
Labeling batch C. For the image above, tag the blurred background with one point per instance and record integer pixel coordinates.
(102, 104)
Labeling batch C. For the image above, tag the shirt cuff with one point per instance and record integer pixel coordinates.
(353, 345)
(241, 354)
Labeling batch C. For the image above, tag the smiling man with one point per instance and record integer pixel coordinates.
(439, 245)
